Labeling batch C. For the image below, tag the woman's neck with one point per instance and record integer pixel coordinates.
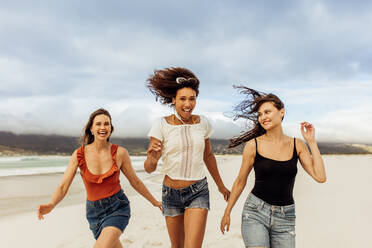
(100, 145)
(275, 134)
(182, 120)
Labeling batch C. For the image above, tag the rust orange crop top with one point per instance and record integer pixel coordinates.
(103, 185)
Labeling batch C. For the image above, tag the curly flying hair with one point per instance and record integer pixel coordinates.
(165, 83)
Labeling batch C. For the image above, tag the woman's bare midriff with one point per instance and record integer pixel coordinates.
(176, 184)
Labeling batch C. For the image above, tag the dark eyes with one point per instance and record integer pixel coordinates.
(266, 112)
(99, 123)
(184, 99)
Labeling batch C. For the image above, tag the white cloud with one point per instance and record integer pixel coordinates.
(345, 125)
(59, 62)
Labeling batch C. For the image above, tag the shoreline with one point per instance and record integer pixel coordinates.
(15, 200)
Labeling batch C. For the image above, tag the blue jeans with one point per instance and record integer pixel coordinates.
(266, 225)
(111, 211)
(175, 201)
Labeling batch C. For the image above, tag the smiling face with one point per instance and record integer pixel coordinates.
(101, 127)
(269, 116)
(185, 102)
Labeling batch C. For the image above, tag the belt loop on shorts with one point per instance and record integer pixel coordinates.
(282, 211)
(192, 188)
(261, 205)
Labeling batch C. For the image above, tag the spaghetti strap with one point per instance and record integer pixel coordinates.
(294, 147)
(81, 157)
(255, 141)
(114, 150)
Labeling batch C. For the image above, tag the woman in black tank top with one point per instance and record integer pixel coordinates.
(269, 214)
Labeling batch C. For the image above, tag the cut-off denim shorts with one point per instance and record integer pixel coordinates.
(175, 201)
(265, 225)
(111, 211)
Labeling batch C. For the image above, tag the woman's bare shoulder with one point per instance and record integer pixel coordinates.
(122, 151)
(250, 147)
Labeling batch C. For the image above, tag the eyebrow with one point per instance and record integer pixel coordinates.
(99, 122)
(189, 96)
(263, 110)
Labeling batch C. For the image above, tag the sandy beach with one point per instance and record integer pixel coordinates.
(334, 214)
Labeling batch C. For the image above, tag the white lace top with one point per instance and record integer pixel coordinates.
(183, 148)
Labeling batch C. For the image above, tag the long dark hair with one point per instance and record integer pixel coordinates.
(88, 137)
(165, 83)
(248, 109)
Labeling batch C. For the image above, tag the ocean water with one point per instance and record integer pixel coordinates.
(31, 165)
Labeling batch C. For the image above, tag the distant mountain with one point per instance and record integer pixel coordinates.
(57, 144)
(28, 144)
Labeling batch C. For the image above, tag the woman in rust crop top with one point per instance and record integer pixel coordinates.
(268, 218)
(100, 163)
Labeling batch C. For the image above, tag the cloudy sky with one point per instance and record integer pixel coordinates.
(61, 60)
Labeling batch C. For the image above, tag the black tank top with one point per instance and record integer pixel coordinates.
(275, 179)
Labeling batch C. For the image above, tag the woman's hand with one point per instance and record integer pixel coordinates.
(154, 151)
(43, 210)
(158, 204)
(308, 131)
(225, 192)
(225, 222)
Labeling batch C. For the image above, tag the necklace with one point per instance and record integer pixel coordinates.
(180, 119)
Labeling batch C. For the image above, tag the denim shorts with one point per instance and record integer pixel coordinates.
(175, 201)
(111, 211)
(266, 225)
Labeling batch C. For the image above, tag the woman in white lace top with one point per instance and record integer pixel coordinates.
(182, 141)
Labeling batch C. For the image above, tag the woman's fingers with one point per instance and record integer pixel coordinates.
(154, 150)
(43, 210)
(307, 131)
(306, 127)
(222, 227)
(39, 215)
(225, 222)
(156, 147)
(227, 195)
(225, 192)
(160, 206)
